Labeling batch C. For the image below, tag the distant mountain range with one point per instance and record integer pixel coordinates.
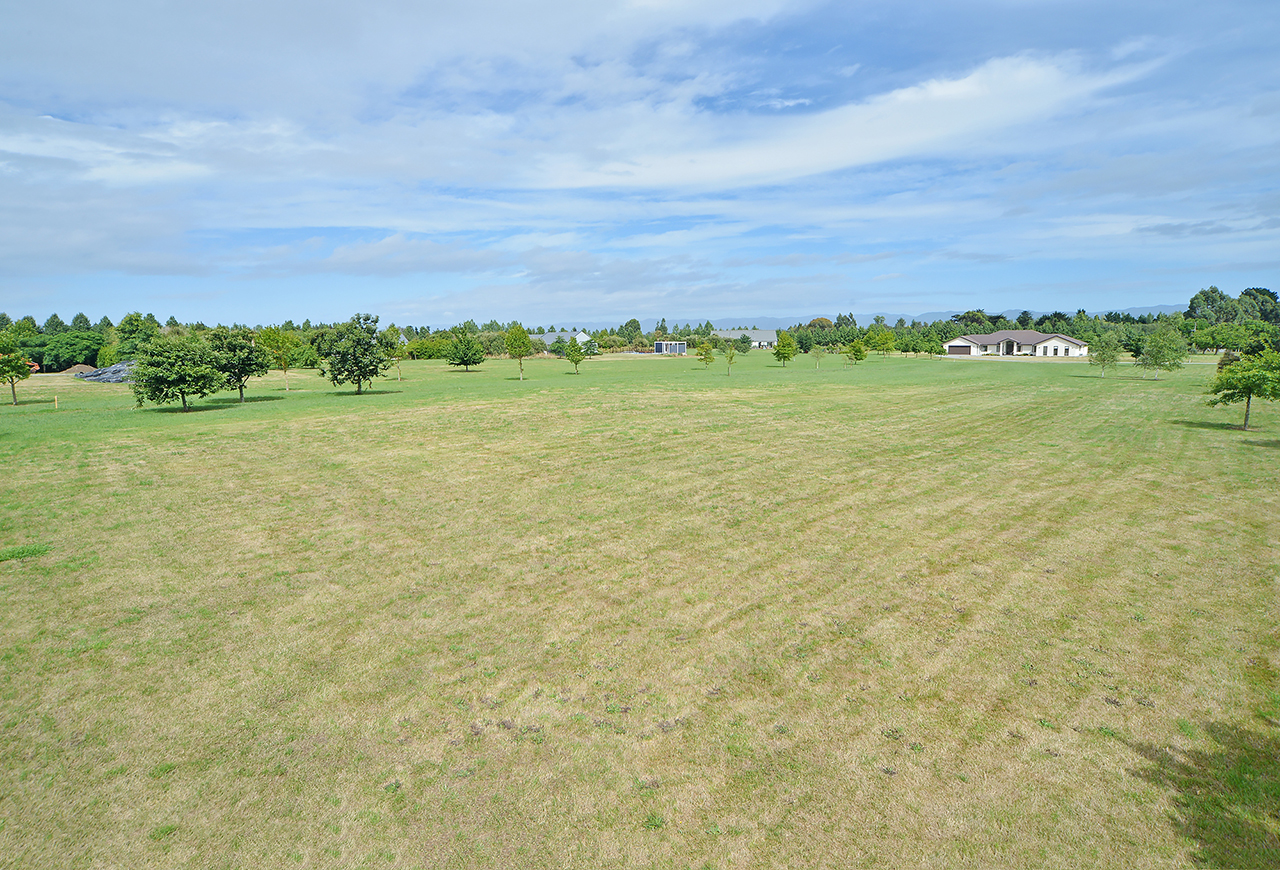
(863, 319)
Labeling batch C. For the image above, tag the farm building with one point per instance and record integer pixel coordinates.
(1017, 342)
(759, 337)
(670, 347)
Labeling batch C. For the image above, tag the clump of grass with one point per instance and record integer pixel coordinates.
(159, 832)
(653, 822)
(23, 551)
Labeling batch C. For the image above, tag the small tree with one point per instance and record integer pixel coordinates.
(465, 350)
(818, 353)
(706, 354)
(856, 352)
(882, 341)
(171, 368)
(574, 353)
(281, 344)
(392, 341)
(238, 357)
(785, 350)
(743, 343)
(1242, 380)
(1105, 352)
(519, 346)
(14, 366)
(730, 354)
(1164, 351)
(350, 353)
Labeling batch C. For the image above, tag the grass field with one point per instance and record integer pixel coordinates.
(914, 613)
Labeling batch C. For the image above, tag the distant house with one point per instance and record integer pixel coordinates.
(1016, 342)
(551, 337)
(670, 347)
(759, 337)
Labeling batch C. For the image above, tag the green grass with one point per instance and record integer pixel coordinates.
(930, 613)
(23, 551)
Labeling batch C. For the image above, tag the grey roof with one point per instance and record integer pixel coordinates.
(550, 337)
(756, 335)
(1021, 336)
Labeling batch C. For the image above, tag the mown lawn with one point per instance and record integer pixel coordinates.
(912, 613)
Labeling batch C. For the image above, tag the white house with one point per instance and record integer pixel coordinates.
(1016, 342)
(759, 337)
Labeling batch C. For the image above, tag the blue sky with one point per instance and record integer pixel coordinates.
(594, 161)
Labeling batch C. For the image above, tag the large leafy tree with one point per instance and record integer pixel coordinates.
(466, 351)
(14, 366)
(785, 349)
(519, 346)
(1165, 350)
(134, 332)
(72, 348)
(281, 344)
(1214, 306)
(351, 353)
(80, 323)
(238, 356)
(1105, 352)
(1250, 377)
(171, 368)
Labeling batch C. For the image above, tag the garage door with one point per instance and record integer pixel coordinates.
(958, 349)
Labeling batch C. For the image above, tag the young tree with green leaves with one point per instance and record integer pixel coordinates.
(350, 353)
(785, 349)
(520, 346)
(465, 350)
(169, 368)
(14, 366)
(730, 357)
(1105, 352)
(392, 341)
(281, 344)
(882, 341)
(1246, 378)
(575, 353)
(855, 352)
(1165, 350)
(706, 354)
(238, 356)
(818, 353)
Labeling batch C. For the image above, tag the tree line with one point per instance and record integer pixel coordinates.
(357, 351)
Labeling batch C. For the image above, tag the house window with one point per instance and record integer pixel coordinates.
(1066, 351)
(1055, 350)
(982, 347)
(1044, 351)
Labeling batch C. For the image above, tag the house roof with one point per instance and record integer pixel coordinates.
(1021, 336)
(768, 335)
(550, 337)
